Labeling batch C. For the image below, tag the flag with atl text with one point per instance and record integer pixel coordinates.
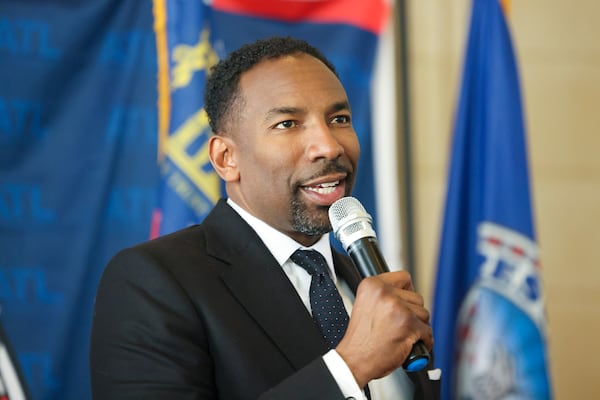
(78, 173)
(488, 314)
(189, 186)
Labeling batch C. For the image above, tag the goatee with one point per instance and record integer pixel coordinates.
(307, 222)
(315, 222)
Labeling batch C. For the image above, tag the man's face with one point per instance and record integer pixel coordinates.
(295, 149)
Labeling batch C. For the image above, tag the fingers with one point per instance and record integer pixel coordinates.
(399, 279)
(387, 319)
(396, 286)
(392, 293)
(427, 337)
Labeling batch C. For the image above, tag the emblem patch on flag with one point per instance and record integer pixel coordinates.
(501, 327)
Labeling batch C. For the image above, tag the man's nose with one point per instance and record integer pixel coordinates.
(323, 142)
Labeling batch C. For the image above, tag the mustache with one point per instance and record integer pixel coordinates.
(334, 166)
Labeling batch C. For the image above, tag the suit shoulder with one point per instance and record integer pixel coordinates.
(181, 241)
(166, 253)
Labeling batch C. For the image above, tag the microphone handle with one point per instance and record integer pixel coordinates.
(370, 262)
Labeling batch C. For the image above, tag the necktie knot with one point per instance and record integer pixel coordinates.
(312, 261)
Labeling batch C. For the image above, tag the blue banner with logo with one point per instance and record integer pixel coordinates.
(488, 314)
(78, 171)
(102, 137)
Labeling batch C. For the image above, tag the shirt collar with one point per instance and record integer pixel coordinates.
(279, 244)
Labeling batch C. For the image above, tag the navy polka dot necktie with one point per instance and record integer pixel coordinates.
(328, 309)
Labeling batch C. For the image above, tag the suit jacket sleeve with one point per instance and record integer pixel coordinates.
(149, 341)
(146, 342)
(313, 382)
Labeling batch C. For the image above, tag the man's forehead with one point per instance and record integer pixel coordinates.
(290, 75)
(271, 66)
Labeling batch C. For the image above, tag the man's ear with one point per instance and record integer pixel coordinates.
(223, 157)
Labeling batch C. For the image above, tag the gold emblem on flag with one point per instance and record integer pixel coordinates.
(190, 59)
(193, 162)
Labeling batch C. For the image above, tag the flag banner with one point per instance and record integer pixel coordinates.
(488, 313)
(78, 172)
(100, 110)
(346, 31)
(189, 186)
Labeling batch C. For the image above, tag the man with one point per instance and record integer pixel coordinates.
(220, 310)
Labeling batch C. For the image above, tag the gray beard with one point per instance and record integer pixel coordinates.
(317, 223)
(307, 224)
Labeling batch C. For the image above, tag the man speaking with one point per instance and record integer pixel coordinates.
(253, 302)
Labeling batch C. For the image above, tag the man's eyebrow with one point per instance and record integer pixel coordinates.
(277, 111)
(340, 105)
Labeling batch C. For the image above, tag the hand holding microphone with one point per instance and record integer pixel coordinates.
(352, 226)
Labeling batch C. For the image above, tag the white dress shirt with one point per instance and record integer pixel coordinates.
(396, 386)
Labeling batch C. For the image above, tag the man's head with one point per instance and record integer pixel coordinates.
(222, 91)
(285, 145)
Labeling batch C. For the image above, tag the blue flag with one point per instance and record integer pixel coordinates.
(189, 186)
(488, 312)
(78, 174)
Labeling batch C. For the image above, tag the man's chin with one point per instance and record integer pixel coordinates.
(311, 230)
(312, 225)
(310, 219)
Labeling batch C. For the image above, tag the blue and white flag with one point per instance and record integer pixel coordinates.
(488, 314)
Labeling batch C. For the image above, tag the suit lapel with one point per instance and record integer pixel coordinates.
(258, 282)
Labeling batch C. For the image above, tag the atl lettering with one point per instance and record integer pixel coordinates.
(22, 203)
(28, 38)
(130, 205)
(26, 285)
(20, 117)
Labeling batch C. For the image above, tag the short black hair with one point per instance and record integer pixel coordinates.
(222, 90)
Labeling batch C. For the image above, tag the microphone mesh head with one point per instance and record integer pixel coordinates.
(341, 209)
(350, 221)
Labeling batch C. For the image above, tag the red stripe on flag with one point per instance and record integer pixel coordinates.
(154, 224)
(369, 15)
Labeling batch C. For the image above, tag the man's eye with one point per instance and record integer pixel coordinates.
(341, 119)
(286, 124)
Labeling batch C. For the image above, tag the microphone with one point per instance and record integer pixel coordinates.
(352, 227)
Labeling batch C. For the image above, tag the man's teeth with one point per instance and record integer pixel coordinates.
(324, 188)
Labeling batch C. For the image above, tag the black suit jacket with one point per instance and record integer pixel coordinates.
(207, 313)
